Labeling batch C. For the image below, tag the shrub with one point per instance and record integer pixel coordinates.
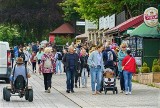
(155, 66)
(145, 68)
(137, 69)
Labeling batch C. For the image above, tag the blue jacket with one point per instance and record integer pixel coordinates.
(93, 61)
(121, 56)
(105, 58)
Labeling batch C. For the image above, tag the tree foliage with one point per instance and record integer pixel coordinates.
(93, 9)
(33, 17)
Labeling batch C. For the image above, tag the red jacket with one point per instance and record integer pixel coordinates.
(131, 65)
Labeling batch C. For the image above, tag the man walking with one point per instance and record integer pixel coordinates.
(71, 62)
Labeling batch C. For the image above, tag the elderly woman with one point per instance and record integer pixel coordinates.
(47, 68)
(121, 55)
(95, 62)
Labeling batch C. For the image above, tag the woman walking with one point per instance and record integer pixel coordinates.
(33, 61)
(95, 62)
(39, 57)
(121, 55)
(47, 68)
(84, 68)
(129, 68)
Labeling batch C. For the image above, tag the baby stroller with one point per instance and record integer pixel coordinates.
(109, 81)
(20, 87)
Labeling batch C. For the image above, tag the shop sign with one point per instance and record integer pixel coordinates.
(90, 25)
(101, 23)
(106, 22)
(78, 41)
(112, 21)
(151, 17)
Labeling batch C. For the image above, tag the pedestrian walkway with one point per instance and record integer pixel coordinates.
(41, 99)
(142, 96)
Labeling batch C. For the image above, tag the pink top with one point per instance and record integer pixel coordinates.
(52, 68)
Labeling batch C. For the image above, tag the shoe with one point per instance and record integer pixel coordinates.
(98, 92)
(93, 93)
(49, 89)
(72, 91)
(129, 93)
(76, 86)
(126, 93)
(68, 91)
(46, 91)
(121, 91)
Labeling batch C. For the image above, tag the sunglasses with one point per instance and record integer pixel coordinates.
(123, 47)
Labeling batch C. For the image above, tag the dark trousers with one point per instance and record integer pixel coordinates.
(12, 62)
(122, 81)
(70, 78)
(25, 63)
(33, 66)
(47, 80)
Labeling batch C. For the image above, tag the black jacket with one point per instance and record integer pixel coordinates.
(84, 64)
(65, 60)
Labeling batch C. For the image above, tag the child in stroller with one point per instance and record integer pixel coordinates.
(19, 83)
(109, 81)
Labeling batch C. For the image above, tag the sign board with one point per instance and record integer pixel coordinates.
(151, 17)
(138, 61)
(106, 22)
(90, 25)
(112, 21)
(101, 23)
(80, 23)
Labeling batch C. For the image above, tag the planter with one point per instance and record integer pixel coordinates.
(135, 77)
(156, 77)
(145, 78)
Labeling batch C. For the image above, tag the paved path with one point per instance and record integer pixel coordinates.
(142, 96)
(41, 99)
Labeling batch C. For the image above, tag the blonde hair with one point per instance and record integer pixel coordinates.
(123, 45)
(47, 50)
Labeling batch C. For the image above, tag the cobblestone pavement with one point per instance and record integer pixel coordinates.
(142, 96)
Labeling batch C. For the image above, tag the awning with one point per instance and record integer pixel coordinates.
(130, 23)
(145, 31)
(81, 36)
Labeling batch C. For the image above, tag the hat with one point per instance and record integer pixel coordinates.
(19, 60)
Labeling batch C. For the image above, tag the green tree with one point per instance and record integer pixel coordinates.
(9, 33)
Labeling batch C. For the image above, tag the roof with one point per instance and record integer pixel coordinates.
(145, 31)
(132, 22)
(65, 28)
(81, 36)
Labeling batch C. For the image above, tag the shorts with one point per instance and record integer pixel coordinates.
(39, 61)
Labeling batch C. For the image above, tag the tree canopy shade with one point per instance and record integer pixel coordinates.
(34, 17)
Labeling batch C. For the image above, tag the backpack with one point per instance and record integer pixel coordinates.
(47, 63)
(22, 55)
(109, 56)
(59, 56)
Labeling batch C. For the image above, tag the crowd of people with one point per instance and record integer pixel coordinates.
(79, 61)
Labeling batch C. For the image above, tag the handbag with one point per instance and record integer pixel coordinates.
(126, 63)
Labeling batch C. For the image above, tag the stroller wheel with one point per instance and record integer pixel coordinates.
(116, 90)
(113, 91)
(30, 95)
(7, 95)
(4, 93)
(27, 94)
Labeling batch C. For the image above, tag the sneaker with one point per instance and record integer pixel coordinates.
(93, 93)
(98, 92)
(68, 91)
(126, 93)
(49, 89)
(129, 93)
(46, 91)
(72, 91)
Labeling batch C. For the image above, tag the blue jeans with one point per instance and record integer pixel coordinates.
(70, 78)
(127, 80)
(58, 65)
(96, 77)
(84, 75)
